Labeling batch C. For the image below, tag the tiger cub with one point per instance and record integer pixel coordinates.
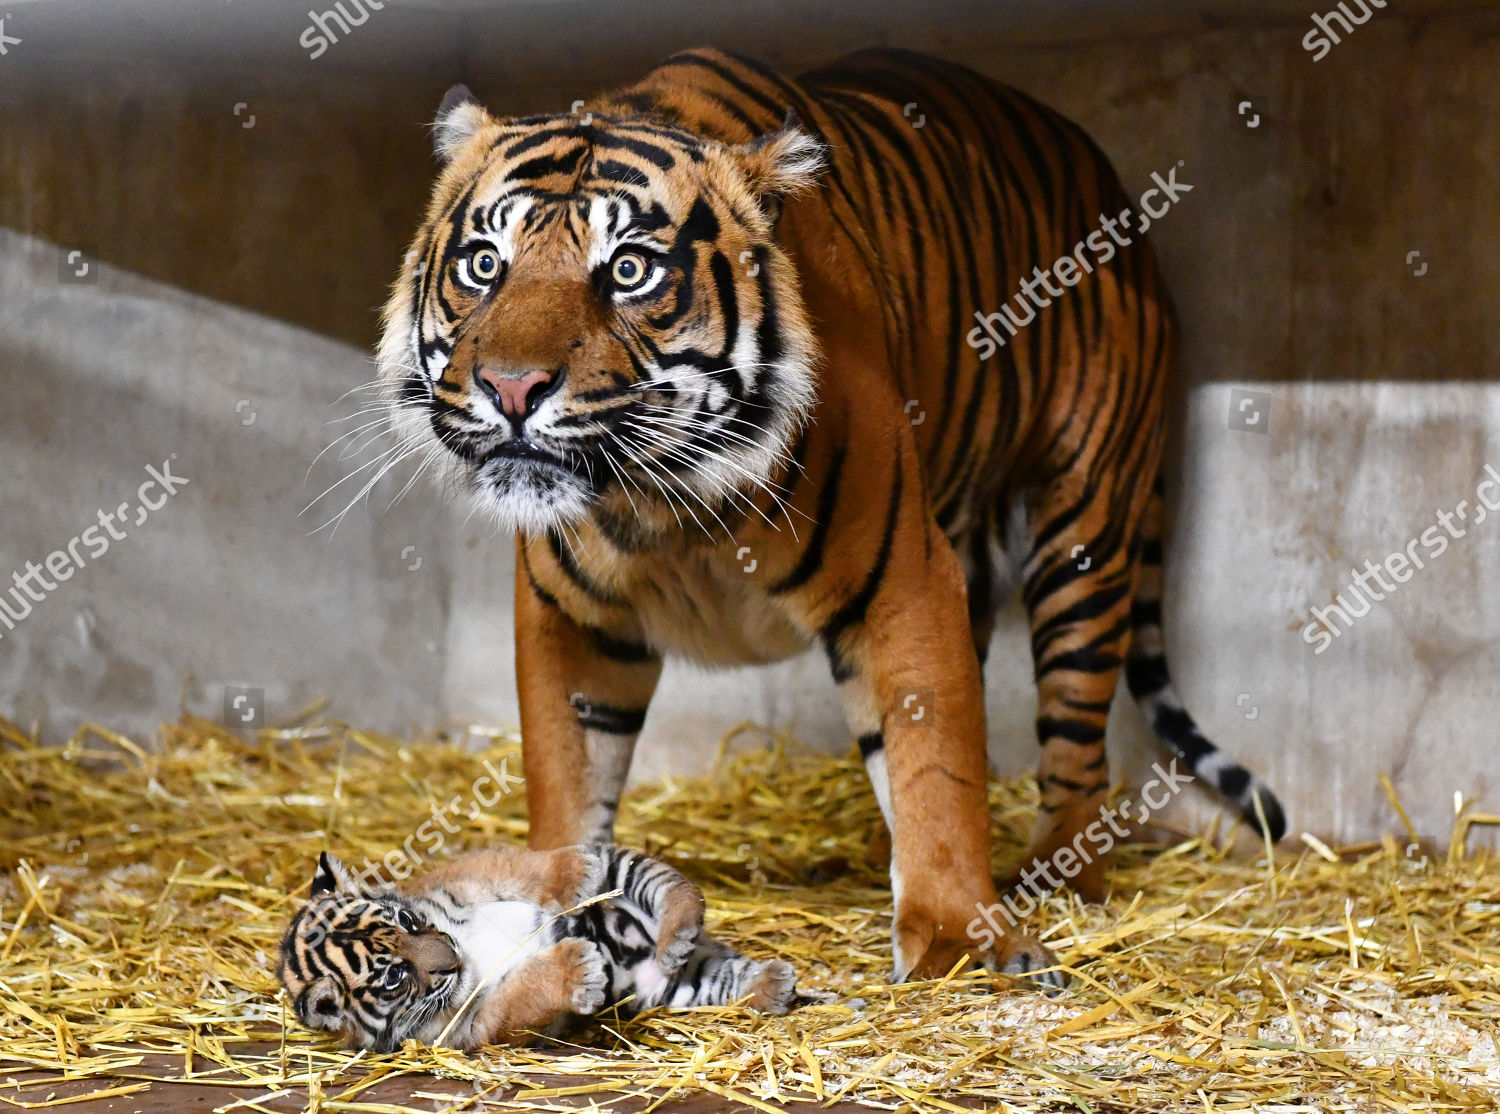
(485, 950)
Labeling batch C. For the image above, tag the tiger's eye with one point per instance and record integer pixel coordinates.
(629, 270)
(484, 264)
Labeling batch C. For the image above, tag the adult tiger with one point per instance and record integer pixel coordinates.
(679, 341)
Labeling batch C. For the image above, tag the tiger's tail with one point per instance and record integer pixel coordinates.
(1151, 685)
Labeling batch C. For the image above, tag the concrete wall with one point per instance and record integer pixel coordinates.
(222, 243)
(226, 582)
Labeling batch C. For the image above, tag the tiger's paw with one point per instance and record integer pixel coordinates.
(773, 988)
(673, 950)
(587, 975)
(1026, 958)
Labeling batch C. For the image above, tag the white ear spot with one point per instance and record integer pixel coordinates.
(459, 117)
(782, 162)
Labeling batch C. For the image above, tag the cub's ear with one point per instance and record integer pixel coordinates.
(458, 118)
(781, 162)
(320, 1005)
(332, 876)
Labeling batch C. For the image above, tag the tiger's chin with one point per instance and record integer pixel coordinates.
(423, 1021)
(530, 496)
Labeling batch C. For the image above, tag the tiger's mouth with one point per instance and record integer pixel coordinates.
(518, 448)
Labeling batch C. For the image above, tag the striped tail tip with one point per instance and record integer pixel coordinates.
(1150, 685)
(1239, 785)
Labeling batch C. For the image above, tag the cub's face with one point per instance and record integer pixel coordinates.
(596, 317)
(366, 965)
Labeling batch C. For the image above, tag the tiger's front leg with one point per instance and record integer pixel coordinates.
(903, 657)
(584, 692)
(568, 977)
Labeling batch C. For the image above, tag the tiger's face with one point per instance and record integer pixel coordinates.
(596, 319)
(367, 965)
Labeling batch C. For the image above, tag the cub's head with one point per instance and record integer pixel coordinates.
(365, 964)
(596, 317)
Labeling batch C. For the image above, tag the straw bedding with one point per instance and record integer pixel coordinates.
(143, 893)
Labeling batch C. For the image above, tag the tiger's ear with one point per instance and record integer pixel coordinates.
(320, 1005)
(781, 162)
(332, 876)
(458, 118)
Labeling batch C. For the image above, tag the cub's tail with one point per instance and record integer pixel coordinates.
(1151, 684)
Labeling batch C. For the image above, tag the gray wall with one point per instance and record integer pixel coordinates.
(222, 245)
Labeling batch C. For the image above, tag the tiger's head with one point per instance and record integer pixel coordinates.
(366, 964)
(596, 318)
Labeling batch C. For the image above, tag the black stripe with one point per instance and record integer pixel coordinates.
(853, 610)
(1145, 613)
(575, 572)
(612, 170)
(657, 156)
(611, 720)
(1092, 606)
(1071, 730)
(1179, 732)
(871, 745)
(543, 166)
(1146, 675)
(620, 649)
(812, 556)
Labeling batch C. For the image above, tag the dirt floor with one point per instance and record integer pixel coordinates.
(143, 891)
(158, 1083)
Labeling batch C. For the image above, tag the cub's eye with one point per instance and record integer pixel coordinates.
(484, 264)
(629, 270)
(406, 922)
(390, 978)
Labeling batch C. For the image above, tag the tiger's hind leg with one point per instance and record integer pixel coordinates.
(674, 903)
(690, 967)
(1078, 585)
(717, 975)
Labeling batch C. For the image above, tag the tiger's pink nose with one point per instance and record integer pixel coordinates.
(516, 395)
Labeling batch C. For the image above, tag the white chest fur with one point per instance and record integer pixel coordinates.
(497, 935)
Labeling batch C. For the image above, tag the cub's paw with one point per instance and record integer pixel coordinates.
(680, 927)
(672, 952)
(1025, 958)
(773, 988)
(588, 977)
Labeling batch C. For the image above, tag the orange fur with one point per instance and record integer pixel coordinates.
(848, 252)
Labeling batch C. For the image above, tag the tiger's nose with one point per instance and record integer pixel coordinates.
(430, 952)
(517, 395)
